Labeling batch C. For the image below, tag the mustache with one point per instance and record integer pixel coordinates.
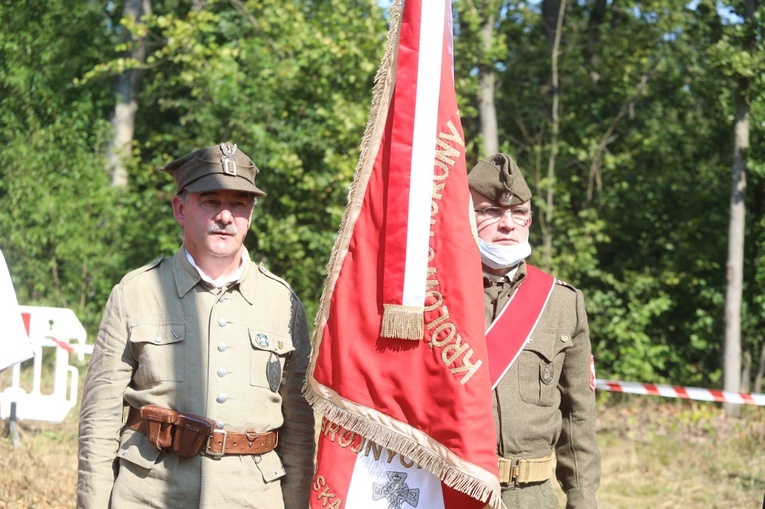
(217, 228)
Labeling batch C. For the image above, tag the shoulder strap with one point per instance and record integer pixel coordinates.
(511, 330)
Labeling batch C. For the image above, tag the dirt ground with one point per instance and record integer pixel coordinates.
(655, 453)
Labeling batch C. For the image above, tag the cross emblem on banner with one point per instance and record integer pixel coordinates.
(396, 491)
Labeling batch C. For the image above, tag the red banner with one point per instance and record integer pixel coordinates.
(399, 365)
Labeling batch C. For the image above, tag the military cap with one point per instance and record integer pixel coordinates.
(498, 178)
(215, 168)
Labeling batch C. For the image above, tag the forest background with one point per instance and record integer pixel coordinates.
(621, 113)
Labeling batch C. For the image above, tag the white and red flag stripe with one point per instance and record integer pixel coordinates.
(399, 367)
(16, 346)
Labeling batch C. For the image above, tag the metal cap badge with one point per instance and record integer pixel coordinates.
(219, 167)
(498, 178)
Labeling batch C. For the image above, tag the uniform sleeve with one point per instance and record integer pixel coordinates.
(109, 373)
(296, 436)
(578, 457)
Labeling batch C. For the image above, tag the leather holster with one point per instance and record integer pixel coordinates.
(183, 434)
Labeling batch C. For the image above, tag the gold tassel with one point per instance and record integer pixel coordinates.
(403, 322)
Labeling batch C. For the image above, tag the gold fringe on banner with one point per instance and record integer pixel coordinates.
(419, 448)
(403, 322)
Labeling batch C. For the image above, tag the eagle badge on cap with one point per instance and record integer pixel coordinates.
(229, 158)
(506, 199)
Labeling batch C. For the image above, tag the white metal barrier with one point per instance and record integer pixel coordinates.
(56, 328)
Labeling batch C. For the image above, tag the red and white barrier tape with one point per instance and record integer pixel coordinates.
(62, 344)
(671, 391)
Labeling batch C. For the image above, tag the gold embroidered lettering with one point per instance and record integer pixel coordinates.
(433, 212)
(457, 348)
(467, 366)
(346, 438)
(375, 448)
(391, 455)
(439, 300)
(325, 493)
(441, 165)
(356, 450)
(405, 462)
(440, 319)
(330, 429)
(326, 496)
(444, 332)
(455, 136)
(447, 154)
(319, 482)
(452, 332)
(437, 188)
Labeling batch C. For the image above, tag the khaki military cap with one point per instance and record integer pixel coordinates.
(215, 168)
(498, 178)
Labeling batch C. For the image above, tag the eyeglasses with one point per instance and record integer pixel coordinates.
(521, 217)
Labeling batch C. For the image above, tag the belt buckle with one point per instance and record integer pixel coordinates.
(216, 456)
(512, 483)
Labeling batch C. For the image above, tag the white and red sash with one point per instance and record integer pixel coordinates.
(511, 330)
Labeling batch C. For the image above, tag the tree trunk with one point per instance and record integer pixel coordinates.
(550, 16)
(760, 371)
(548, 229)
(735, 265)
(487, 111)
(128, 83)
(746, 372)
(597, 15)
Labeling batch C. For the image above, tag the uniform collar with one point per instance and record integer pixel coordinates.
(187, 276)
(516, 275)
(236, 276)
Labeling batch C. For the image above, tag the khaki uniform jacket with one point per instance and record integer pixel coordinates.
(170, 339)
(544, 402)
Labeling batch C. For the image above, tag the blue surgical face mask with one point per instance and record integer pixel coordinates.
(498, 256)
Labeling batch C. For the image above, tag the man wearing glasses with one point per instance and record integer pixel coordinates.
(537, 332)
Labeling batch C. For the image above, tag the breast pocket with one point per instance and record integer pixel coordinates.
(539, 366)
(159, 350)
(270, 352)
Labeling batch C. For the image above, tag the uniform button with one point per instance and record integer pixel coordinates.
(221, 398)
(222, 298)
(158, 339)
(222, 347)
(222, 372)
(222, 322)
(219, 424)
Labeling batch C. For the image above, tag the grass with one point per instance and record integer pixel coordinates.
(656, 454)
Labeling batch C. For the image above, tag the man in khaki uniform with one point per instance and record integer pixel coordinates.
(193, 396)
(544, 405)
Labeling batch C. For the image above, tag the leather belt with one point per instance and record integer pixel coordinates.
(516, 471)
(219, 442)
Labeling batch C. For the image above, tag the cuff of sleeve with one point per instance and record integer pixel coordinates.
(581, 498)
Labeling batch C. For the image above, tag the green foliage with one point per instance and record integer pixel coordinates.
(290, 82)
(642, 176)
(56, 211)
